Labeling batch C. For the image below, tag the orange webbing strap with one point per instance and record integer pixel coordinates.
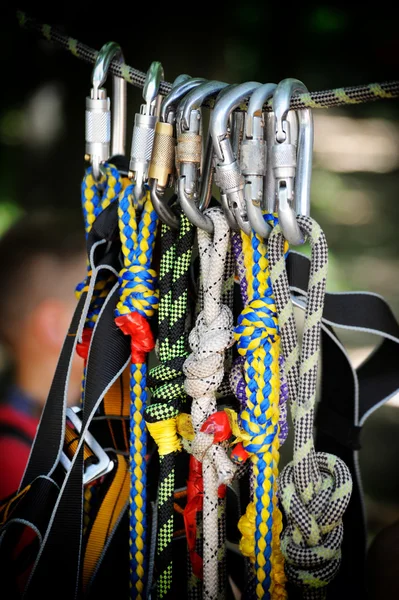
(107, 517)
(71, 443)
(8, 504)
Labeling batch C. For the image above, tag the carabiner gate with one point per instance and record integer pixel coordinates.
(228, 172)
(161, 171)
(292, 167)
(193, 196)
(144, 131)
(254, 158)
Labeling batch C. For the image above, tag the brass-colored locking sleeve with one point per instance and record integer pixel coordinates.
(189, 148)
(163, 154)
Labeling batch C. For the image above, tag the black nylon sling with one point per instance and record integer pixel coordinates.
(108, 355)
(348, 397)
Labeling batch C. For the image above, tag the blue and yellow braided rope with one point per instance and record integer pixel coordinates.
(258, 341)
(138, 295)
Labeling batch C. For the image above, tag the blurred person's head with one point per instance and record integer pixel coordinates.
(42, 258)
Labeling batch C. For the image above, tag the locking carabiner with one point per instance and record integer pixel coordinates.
(292, 167)
(254, 158)
(144, 131)
(161, 171)
(193, 196)
(228, 172)
(98, 112)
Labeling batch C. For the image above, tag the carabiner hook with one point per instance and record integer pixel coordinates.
(144, 131)
(228, 172)
(254, 158)
(189, 155)
(98, 113)
(161, 171)
(292, 168)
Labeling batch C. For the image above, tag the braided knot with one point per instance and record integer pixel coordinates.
(311, 543)
(204, 371)
(204, 368)
(256, 325)
(139, 291)
(257, 329)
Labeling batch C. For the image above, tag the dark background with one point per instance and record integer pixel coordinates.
(42, 105)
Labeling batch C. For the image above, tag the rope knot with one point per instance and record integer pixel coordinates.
(311, 543)
(204, 368)
(138, 290)
(256, 325)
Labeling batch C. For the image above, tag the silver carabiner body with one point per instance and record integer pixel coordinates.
(144, 130)
(102, 141)
(228, 173)
(292, 166)
(254, 158)
(162, 167)
(195, 172)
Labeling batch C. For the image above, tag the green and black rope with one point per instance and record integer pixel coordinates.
(166, 382)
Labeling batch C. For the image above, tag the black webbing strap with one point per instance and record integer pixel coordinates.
(49, 438)
(108, 356)
(348, 396)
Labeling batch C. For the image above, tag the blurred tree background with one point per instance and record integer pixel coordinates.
(355, 182)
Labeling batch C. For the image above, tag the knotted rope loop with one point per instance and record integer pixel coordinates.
(204, 371)
(315, 532)
(204, 368)
(258, 343)
(97, 195)
(138, 302)
(315, 488)
(256, 325)
(138, 281)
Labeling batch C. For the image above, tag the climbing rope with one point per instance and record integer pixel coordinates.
(323, 99)
(257, 338)
(138, 302)
(166, 382)
(315, 488)
(204, 371)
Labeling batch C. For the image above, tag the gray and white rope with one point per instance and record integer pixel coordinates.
(204, 371)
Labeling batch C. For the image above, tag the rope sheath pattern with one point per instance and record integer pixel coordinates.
(257, 338)
(166, 382)
(138, 302)
(315, 488)
(322, 99)
(204, 371)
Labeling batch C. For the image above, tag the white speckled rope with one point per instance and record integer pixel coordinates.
(204, 371)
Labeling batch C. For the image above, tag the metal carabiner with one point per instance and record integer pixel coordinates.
(98, 112)
(144, 130)
(254, 158)
(292, 167)
(194, 198)
(161, 171)
(228, 172)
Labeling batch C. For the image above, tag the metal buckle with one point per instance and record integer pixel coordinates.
(94, 470)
